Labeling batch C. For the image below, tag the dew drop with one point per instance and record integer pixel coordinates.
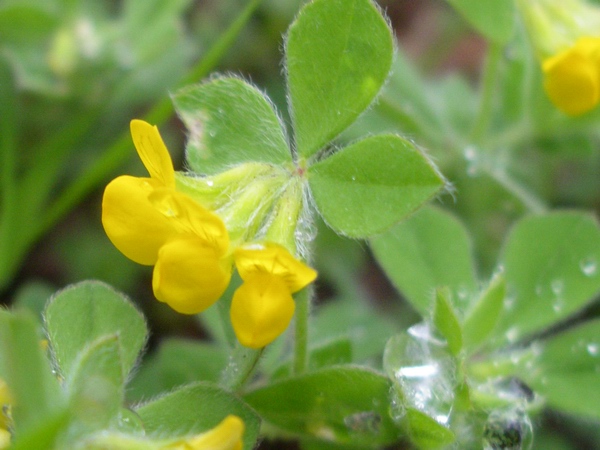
(557, 286)
(593, 349)
(557, 305)
(363, 422)
(210, 183)
(512, 334)
(589, 266)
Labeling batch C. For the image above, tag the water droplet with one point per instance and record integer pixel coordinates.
(557, 286)
(509, 301)
(363, 422)
(512, 334)
(353, 178)
(472, 157)
(427, 378)
(589, 266)
(212, 133)
(593, 349)
(558, 304)
(539, 290)
(210, 183)
(507, 429)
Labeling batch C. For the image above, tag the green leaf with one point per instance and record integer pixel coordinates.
(425, 432)
(551, 266)
(446, 322)
(96, 385)
(26, 371)
(338, 54)
(229, 122)
(352, 319)
(567, 371)
(196, 408)
(334, 352)
(177, 362)
(337, 404)
(372, 184)
(429, 250)
(481, 319)
(81, 313)
(495, 19)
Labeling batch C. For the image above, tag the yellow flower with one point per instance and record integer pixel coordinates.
(263, 307)
(572, 77)
(153, 224)
(225, 436)
(5, 419)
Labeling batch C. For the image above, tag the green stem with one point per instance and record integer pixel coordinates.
(301, 333)
(121, 149)
(486, 104)
(242, 363)
(531, 201)
(8, 160)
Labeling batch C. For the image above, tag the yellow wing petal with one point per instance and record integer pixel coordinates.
(132, 222)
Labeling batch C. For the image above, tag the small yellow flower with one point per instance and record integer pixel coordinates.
(153, 224)
(5, 419)
(225, 436)
(572, 77)
(263, 307)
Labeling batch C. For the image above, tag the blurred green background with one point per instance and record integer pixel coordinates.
(73, 73)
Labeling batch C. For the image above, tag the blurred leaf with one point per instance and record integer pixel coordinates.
(428, 250)
(196, 408)
(425, 432)
(33, 296)
(26, 370)
(84, 312)
(495, 19)
(338, 404)
(334, 352)
(366, 328)
(446, 322)
(96, 385)
(338, 54)
(177, 362)
(25, 23)
(372, 184)
(567, 370)
(551, 264)
(481, 319)
(229, 122)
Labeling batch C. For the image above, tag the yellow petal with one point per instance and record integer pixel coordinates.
(572, 78)
(132, 222)
(153, 152)
(5, 439)
(189, 276)
(261, 309)
(227, 435)
(274, 259)
(189, 217)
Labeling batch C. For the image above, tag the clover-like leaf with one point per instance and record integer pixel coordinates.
(229, 122)
(552, 270)
(338, 54)
(84, 312)
(372, 184)
(428, 250)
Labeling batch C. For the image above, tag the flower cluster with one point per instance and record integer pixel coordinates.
(566, 36)
(194, 229)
